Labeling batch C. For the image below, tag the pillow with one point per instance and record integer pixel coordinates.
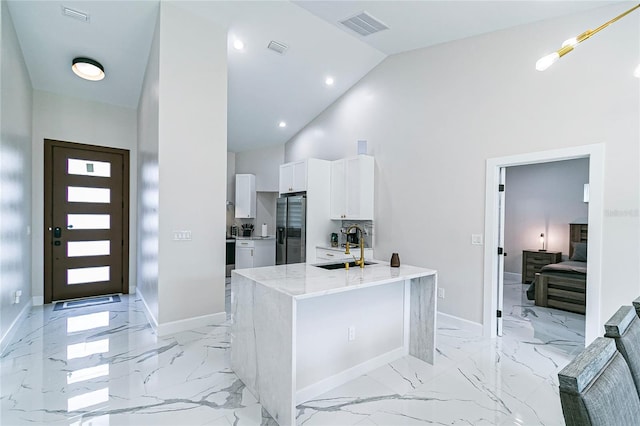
(579, 252)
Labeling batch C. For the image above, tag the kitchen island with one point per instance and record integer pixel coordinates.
(299, 330)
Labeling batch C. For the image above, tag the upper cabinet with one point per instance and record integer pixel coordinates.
(245, 196)
(293, 177)
(352, 181)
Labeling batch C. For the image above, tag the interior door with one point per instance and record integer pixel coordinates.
(501, 252)
(86, 220)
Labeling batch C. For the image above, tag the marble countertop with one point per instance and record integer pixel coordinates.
(303, 280)
(269, 237)
(341, 249)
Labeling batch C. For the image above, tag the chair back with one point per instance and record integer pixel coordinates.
(624, 328)
(597, 389)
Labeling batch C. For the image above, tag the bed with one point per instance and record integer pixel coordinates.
(564, 285)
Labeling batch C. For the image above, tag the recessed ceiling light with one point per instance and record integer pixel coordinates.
(238, 44)
(88, 69)
(329, 81)
(282, 124)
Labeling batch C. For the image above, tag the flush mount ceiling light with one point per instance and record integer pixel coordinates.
(329, 81)
(550, 59)
(282, 124)
(88, 69)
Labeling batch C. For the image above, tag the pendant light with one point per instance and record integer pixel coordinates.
(88, 69)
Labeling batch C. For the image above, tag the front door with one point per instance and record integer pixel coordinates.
(86, 220)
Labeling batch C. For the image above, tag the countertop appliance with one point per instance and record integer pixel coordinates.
(291, 217)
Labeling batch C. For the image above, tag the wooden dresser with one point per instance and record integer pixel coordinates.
(533, 260)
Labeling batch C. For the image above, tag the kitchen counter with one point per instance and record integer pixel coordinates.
(299, 330)
(302, 280)
(268, 237)
(341, 249)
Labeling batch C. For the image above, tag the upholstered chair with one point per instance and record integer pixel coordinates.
(596, 388)
(624, 328)
(636, 304)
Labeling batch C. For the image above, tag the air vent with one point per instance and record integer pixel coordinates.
(75, 14)
(278, 47)
(364, 24)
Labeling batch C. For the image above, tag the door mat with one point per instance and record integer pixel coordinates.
(82, 303)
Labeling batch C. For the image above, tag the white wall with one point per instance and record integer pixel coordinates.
(148, 185)
(192, 165)
(265, 212)
(75, 120)
(434, 116)
(15, 179)
(264, 163)
(543, 198)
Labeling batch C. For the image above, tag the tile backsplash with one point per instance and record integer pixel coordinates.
(367, 225)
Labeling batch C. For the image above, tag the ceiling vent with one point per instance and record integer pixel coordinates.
(277, 47)
(364, 24)
(75, 14)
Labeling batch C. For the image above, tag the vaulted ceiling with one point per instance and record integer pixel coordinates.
(265, 87)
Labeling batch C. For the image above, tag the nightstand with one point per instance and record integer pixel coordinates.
(534, 260)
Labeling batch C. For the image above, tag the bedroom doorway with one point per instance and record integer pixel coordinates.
(495, 255)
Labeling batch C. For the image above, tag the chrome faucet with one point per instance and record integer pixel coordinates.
(361, 261)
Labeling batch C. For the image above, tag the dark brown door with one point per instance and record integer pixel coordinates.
(86, 220)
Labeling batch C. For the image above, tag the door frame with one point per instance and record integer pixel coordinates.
(596, 155)
(49, 144)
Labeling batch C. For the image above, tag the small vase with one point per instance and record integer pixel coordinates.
(395, 260)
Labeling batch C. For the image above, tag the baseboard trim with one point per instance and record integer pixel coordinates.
(9, 335)
(462, 323)
(173, 327)
(512, 276)
(347, 375)
(37, 300)
(132, 289)
(147, 312)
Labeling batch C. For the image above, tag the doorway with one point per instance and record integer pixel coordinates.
(86, 219)
(493, 260)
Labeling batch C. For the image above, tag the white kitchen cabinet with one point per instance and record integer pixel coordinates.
(352, 182)
(326, 254)
(255, 253)
(245, 196)
(293, 177)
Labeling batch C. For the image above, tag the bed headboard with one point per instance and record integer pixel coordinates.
(578, 233)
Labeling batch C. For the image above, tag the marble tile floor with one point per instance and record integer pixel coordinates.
(104, 365)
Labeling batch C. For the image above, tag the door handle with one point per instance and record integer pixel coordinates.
(57, 232)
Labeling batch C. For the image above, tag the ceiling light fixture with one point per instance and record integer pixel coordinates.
(88, 69)
(329, 81)
(282, 124)
(550, 59)
(238, 44)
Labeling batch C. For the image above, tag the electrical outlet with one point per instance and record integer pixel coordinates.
(476, 239)
(352, 334)
(441, 293)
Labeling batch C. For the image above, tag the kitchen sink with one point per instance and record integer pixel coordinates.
(340, 265)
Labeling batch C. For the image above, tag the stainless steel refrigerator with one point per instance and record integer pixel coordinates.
(291, 217)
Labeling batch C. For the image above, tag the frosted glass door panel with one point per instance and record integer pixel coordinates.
(79, 194)
(88, 248)
(88, 221)
(88, 168)
(88, 275)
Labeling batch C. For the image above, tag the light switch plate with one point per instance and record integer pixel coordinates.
(182, 235)
(476, 239)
